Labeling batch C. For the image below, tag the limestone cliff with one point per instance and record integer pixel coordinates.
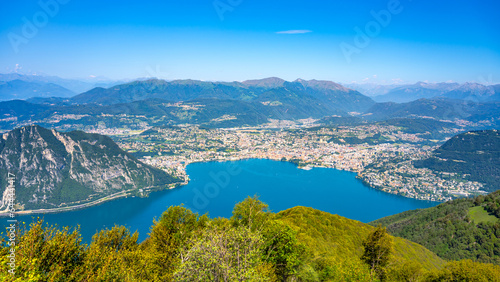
(54, 168)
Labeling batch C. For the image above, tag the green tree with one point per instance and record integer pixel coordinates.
(45, 253)
(466, 270)
(116, 239)
(251, 213)
(282, 249)
(378, 248)
(171, 232)
(407, 271)
(222, 255)
(106, 256)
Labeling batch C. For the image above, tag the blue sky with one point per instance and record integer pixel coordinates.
(230, 40)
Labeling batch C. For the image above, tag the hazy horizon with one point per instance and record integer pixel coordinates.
(382, 42)
(96, 79)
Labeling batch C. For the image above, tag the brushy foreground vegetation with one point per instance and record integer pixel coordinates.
(299, 244)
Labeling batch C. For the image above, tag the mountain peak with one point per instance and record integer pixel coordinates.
(421, 83)
(322, 84)
(271, 82)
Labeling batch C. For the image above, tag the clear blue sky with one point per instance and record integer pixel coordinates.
(423, 40)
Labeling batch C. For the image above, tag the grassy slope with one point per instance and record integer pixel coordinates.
(479, 214)
(338, 238)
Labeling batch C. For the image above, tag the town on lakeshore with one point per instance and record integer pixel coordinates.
(382, 156)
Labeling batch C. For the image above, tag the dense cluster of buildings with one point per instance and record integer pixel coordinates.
(386, 166)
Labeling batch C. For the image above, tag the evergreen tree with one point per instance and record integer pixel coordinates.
(378, 248)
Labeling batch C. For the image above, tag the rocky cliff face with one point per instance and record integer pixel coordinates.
(54, 168)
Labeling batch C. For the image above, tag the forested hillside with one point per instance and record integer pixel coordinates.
(299, 244)
(458, 229)
(473, 155)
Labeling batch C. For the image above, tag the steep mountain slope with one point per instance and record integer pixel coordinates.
(336, 96)
(453, 230)
(56, 169)
(178, 90)
(288, 104)
(334, 238)
(15, 112)
(302, 98)
(473, 155)
(19, 89)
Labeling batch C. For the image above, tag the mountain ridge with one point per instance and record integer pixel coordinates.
(77, 167)
(466, 91)
(19, 89)
(333, 96)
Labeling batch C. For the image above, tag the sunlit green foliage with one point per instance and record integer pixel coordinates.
(222, 255)
(299, 244)
(378, 248)
(450, 231)
(479, 214)
(251, 213)
(466, 270)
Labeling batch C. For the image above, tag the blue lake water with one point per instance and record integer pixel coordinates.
(216, 186)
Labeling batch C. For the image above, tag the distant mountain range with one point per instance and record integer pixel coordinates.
(246, 90)
(19, 89)
(232, 104)
(421, 90)
(74, 85)
(371, 89)
(303, 98)
(55, 169)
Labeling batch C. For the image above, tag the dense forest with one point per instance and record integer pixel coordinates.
(473, 155)
(299, 244)
(458, 229)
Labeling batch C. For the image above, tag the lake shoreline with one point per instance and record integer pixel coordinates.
(108, 198)
(215, 187)
(127, 193)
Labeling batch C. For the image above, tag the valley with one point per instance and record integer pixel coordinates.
(168, 125)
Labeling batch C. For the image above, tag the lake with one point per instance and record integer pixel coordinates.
(215, 187)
